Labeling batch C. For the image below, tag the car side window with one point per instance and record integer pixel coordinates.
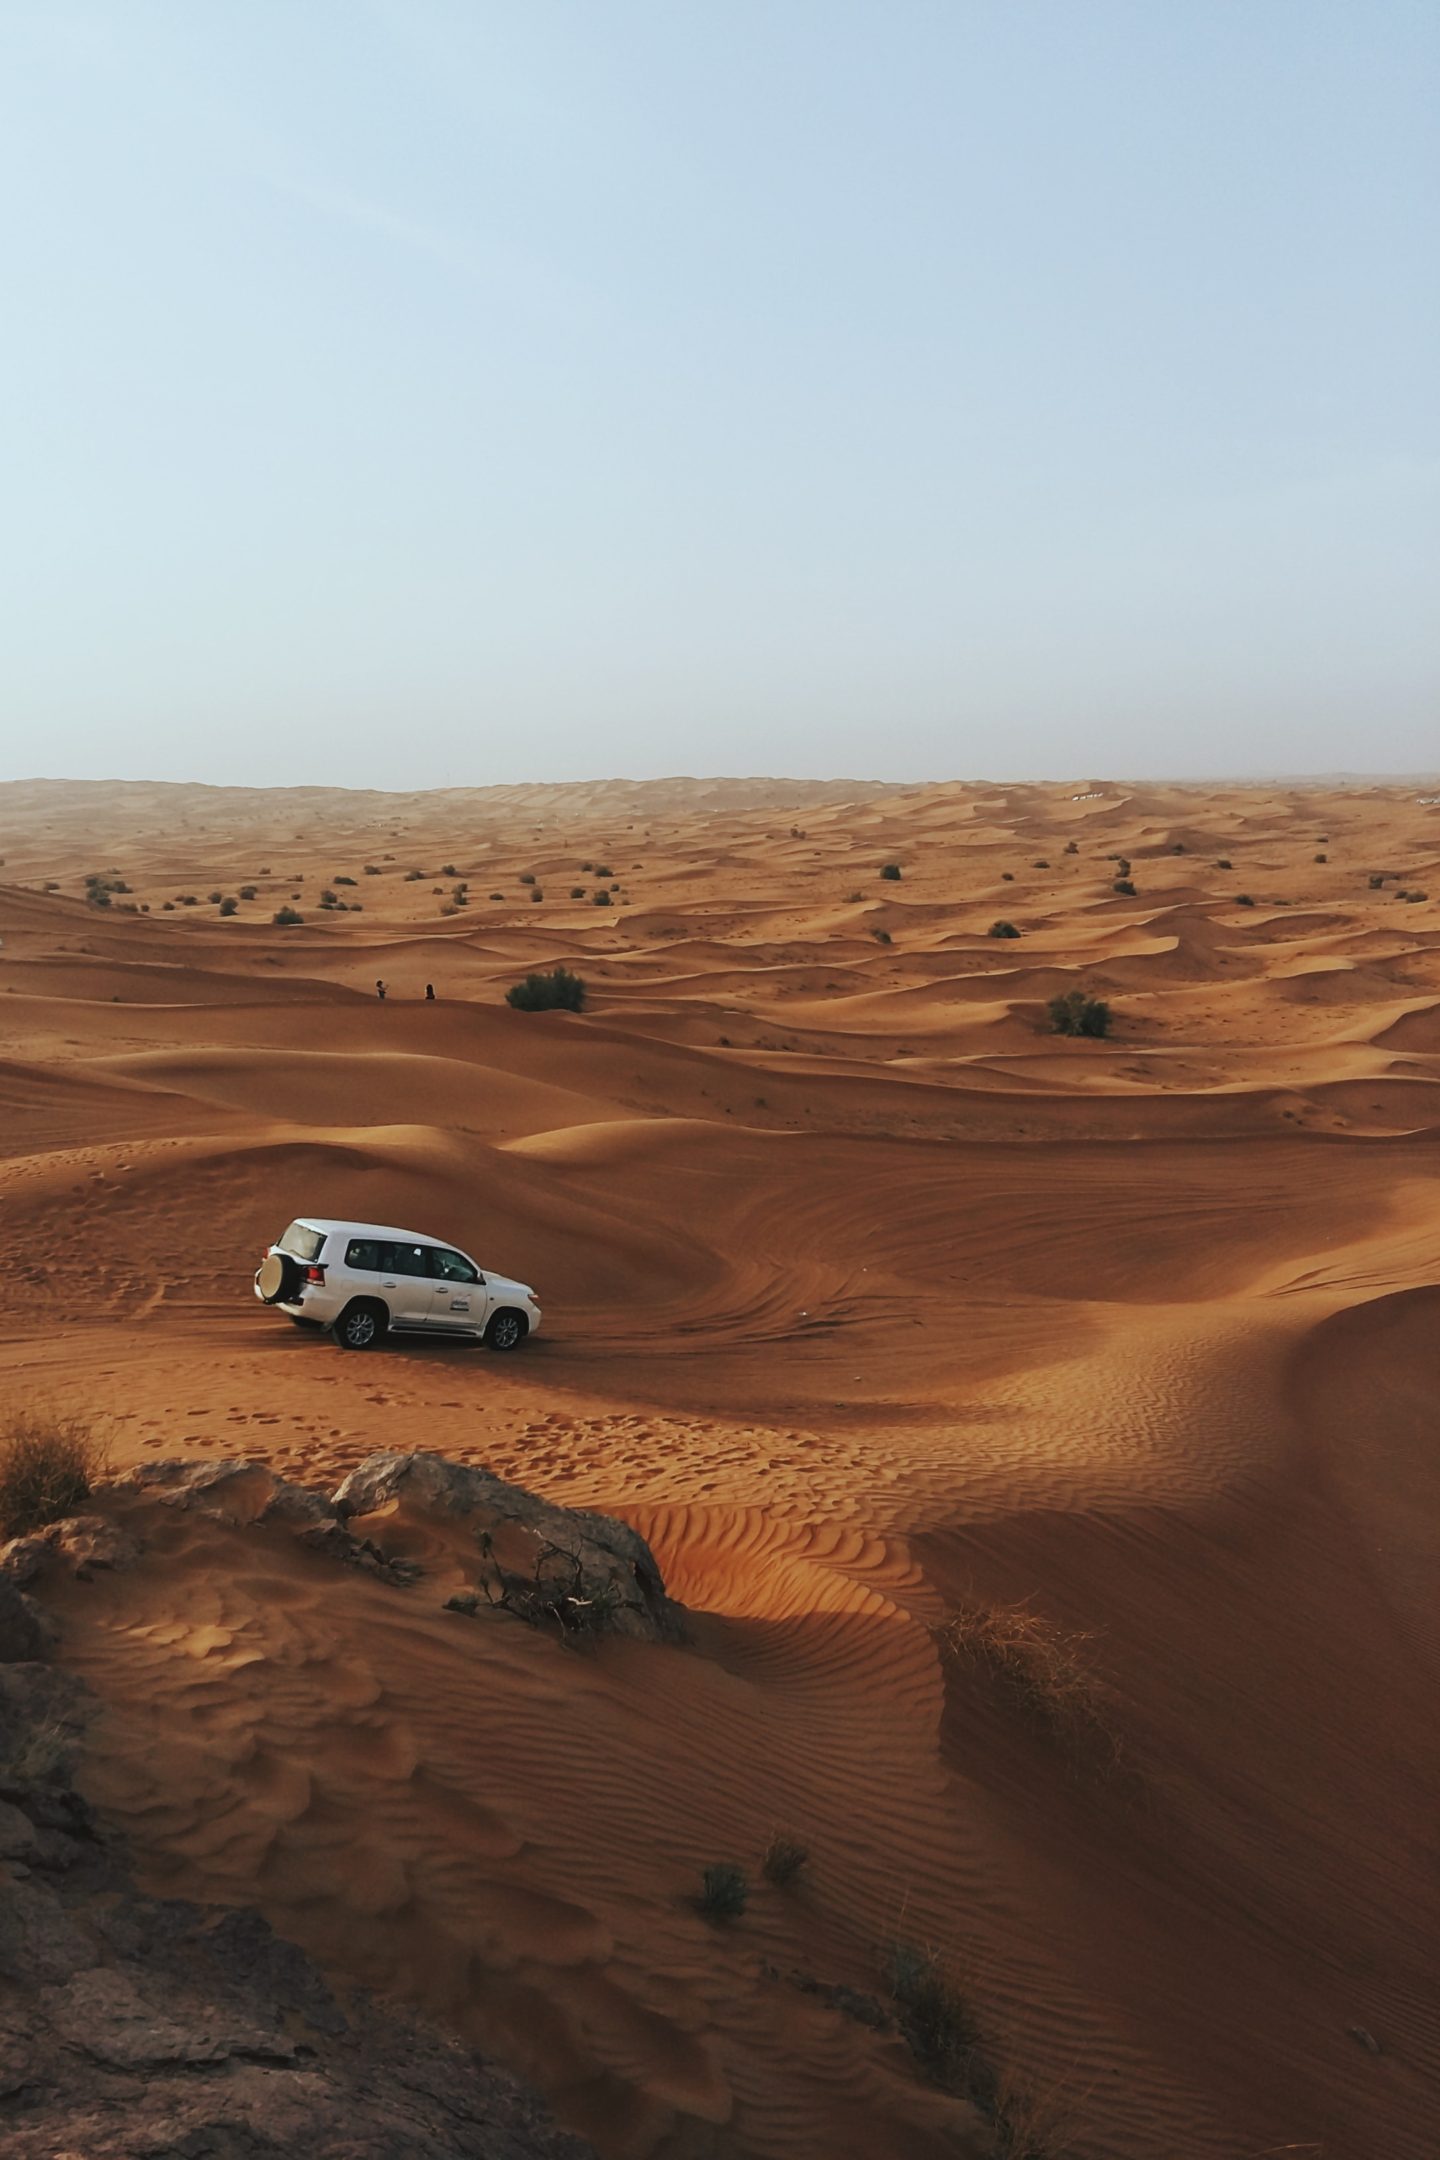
(452, 1266)
(410, 1260)
(363, 1252)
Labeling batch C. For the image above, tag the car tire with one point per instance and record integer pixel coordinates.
(361, 1325)
(278, 1278)
(506, 1331)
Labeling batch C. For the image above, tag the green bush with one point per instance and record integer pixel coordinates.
(344, 880)
(248, 892)
(286, 916)
(1072, 847)
(448, 870)
(1124, 886)
(891, 870)
(882, 937)
(1244, 899)
(414, 877)
(1073, 1013)
(603, 870)
(229, 907)
(527, 877)
(536, 893)
(1003, 929)
(559, 991)
(724, 1892)
(577, 892)
(600, 899)
(1223, 862)
(1040, 863)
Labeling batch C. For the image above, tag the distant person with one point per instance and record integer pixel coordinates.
(429, 993)
(380, 991)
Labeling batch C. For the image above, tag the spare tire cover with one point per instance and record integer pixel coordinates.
(276, 1279)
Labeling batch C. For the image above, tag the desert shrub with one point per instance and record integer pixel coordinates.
(448, 907)
(229, 907)
(1322, 858)
(724, 1891)
(559, 991)
(600, 899)
(1413, 895)
(1244, 899)
(882, 937)
(1223, 862)
(248, 892)
(1377, 881)
(98, 895)
(536, 893)
(216, 898)
(784, 1859)
(1007, 877)
(414, 877)
(343, 880)
(577, 892)
(372, 869)
(497, 896)
(934, 2017)
(1072, 847)
(527, 877)
(448, 869)
(188, 899)
(328, 898)
(852, 898)
(1125, 886)
(587, 866)
(603, 870)
(1178, 848)
(1073, 1013)
(48, 1468)
(1002, 929)
(1040, 863)
(167, 907)
(1043, 1670)
(286, 916)
(891, 870)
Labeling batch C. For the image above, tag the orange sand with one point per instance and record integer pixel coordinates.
(864, 1296)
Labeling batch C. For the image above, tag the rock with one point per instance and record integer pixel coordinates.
(85, 1542)
(586, 1570)
(19, 1839)
(25, 1632)
(232, 1492)
(118, 2020)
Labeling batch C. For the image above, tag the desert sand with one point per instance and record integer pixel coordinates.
(868, 1300)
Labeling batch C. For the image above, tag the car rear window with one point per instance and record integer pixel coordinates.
(302, 1241)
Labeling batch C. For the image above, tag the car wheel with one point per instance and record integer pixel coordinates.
(360, 1326)
(278, 1278)
(506, 1331)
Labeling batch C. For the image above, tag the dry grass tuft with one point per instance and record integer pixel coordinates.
(49, 1465)
(1043, 1670)
(785, 1858)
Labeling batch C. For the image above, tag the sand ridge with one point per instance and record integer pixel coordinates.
(867, 1296)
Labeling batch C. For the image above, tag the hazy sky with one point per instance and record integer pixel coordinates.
(405, 392)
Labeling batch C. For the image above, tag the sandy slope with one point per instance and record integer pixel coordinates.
(866, 1297)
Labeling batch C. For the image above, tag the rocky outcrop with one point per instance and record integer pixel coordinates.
(550, 1566)
(133, 2028)
(586, 1571)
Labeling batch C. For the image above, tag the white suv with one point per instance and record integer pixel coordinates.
(363, 1281)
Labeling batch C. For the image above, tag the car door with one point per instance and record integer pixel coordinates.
(405, 1284)
(457, 1292)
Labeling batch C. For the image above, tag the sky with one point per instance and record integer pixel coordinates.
(412, 393)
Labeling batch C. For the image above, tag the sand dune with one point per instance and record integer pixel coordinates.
(868, 1299)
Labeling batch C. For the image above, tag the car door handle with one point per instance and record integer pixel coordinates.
(387, 1282)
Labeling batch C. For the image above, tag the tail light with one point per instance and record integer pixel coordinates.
(314, 1274)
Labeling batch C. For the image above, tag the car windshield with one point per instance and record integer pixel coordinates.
(302, 1241)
